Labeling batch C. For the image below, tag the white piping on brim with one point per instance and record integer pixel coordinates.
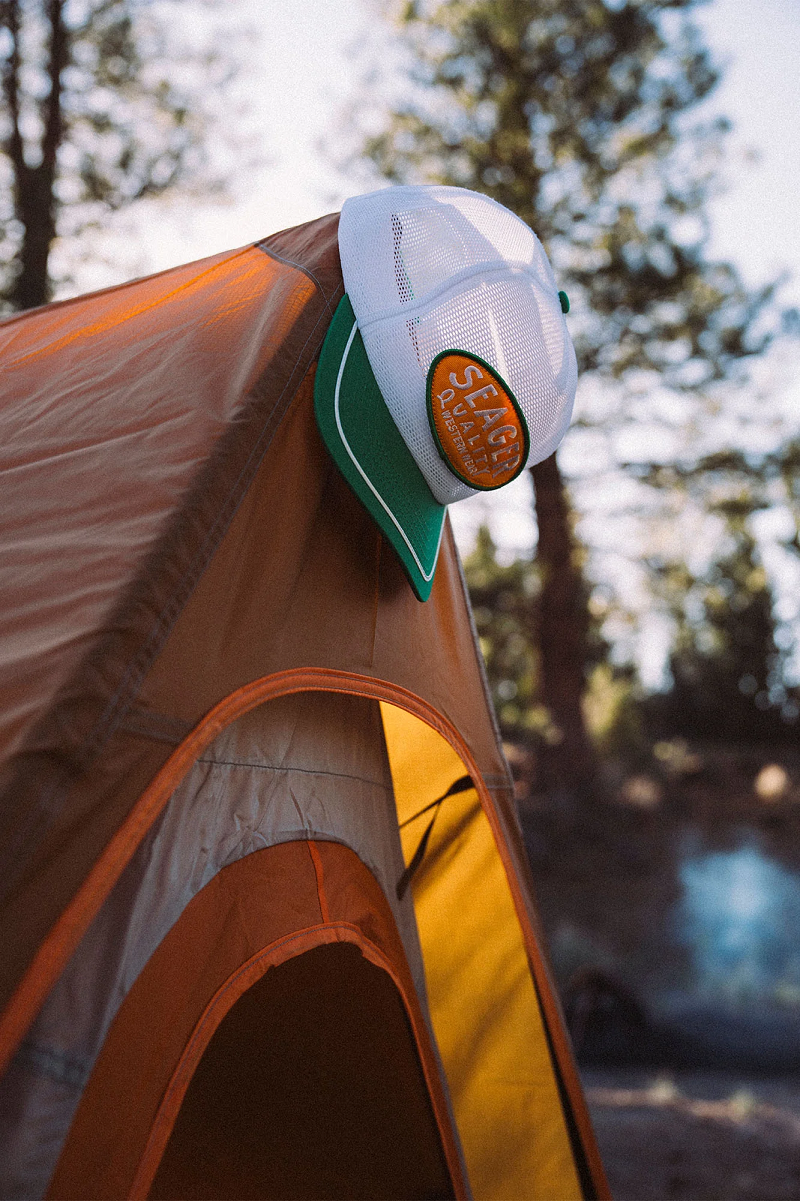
(426, 575)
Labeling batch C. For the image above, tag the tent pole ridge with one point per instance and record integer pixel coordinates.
(139, 666)
(239, 437)
(330, 301)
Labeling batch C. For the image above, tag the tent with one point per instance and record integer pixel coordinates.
(267, 924)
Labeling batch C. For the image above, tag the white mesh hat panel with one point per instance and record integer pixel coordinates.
(540, 370)
(429, 269)
(402, 243)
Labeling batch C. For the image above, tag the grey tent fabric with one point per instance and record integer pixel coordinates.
(310, 765)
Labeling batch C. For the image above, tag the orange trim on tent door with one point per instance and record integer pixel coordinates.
(120, 1132)
(224, 1000)
(76, 918)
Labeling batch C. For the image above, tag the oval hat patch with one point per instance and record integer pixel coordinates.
(476, 422)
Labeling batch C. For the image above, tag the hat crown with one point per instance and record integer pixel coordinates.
(430, 269)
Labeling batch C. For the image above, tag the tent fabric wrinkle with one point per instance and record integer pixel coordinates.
(83, 522)
(221, 706)
(35, 784)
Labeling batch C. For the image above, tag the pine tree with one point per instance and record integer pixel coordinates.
(725, 664)
(576, 115)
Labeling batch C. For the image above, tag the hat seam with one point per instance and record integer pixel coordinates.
(453, 282)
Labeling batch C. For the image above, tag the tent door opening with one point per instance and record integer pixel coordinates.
(311, 1087)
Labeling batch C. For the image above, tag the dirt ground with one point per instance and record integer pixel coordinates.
(697, 1137)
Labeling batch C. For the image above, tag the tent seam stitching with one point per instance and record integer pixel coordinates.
(306, 771)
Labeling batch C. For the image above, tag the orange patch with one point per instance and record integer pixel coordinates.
(476, 422)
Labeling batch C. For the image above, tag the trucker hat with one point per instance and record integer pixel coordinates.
(447, 368)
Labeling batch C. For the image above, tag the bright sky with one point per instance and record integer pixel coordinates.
(304, 70)
(756, 223)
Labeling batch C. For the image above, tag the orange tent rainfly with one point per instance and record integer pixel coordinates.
(267, 923)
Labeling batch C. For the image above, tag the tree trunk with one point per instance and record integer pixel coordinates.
(34, 187)
(35, 207)
(569, 759)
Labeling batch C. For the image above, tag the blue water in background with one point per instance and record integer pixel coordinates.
(739, 919)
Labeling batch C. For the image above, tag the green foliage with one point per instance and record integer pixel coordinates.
(505, 600)
(574, 114)
(729, 660)
(613, 712)
(504, 604)
(100, 109)
(726, 666)
(580, 116)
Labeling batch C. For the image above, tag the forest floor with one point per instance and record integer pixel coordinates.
(697, 1136)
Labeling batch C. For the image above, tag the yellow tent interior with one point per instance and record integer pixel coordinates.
(226, 724)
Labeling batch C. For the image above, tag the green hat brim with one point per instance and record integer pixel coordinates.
(370, 452)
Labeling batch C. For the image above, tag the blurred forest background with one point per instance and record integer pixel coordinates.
(643, 647)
